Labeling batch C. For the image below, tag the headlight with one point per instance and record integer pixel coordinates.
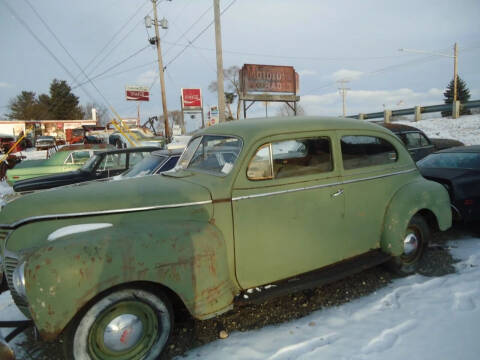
(18, 280)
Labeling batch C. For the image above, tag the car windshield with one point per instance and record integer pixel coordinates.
(144, 167)
(211, 153)
(453, 160)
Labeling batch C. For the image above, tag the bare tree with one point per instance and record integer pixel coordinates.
(102, 112)
(232, 85)
(285, 110)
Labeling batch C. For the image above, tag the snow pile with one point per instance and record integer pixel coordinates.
(415, 317)
(465, 128)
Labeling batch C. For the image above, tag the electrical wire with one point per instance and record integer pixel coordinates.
(111, 39)
(199, 34)
(112, 67)
(57, 60)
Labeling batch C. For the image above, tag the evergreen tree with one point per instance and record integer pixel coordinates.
(63, 104)
(463, 95)
(26, 107)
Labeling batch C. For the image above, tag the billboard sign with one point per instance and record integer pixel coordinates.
(137, 93)
(269, 78)
(191, 99)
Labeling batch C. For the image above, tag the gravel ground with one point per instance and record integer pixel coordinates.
(190, 333)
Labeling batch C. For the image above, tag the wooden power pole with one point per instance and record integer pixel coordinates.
(343, 92)
(455, 72)
(160, 71)
(218, 40)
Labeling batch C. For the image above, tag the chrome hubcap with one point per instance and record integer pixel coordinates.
(410, 244)
(123, 332)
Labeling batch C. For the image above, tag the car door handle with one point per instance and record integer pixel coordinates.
(337, 193)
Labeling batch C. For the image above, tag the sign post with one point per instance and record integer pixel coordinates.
(191, 101)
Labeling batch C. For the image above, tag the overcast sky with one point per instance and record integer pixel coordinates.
(325, 40)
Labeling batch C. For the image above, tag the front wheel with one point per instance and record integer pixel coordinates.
(415, 241)
(130, 324)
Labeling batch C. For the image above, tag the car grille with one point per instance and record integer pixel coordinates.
(10, 262)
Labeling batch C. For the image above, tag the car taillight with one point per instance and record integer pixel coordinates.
(468, 202)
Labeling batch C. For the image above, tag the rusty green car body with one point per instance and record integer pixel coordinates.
(203, 234)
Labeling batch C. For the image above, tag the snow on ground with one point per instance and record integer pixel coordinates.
(412, 318)
(32, 154)
(465, 128)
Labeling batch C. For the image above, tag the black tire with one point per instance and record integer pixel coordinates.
(416, 238)
(99, 333)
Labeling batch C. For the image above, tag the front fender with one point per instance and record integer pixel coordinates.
(187, 257)
(413, 197)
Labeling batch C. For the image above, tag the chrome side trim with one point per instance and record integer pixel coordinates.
(321, 186)
(379, 176)
(285, 191)
(101, 212)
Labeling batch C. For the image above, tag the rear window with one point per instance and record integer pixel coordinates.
(360, 151)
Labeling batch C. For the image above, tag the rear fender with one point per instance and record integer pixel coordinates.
(413, 197)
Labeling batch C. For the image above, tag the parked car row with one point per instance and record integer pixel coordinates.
(290, 202)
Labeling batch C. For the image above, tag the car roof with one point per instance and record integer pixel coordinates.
(132, 149)
(257, 128)
(462, 149)
(85, 147)
(397, 128)
(167, 152)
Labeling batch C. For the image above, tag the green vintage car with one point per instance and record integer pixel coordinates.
(67, 158)
(278, 204)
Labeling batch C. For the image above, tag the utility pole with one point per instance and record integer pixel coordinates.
(343, 92)
(218, 44)
(160, 71)
(455, 72)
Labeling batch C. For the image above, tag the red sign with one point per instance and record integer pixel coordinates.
(269, 78)
(191, 98)
(137, 93)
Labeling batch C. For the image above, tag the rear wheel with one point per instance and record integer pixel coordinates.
(130, 324)
(415, 241)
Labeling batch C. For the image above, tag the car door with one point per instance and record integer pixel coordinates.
(287, 209)
(370, 175)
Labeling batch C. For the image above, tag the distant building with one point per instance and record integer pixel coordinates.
(42, 127)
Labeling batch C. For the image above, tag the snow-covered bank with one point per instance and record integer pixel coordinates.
(413, 318)
(465, 128)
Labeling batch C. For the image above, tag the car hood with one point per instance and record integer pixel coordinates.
(112, 197)
(42, 182)
(447, 174)
(30, 163)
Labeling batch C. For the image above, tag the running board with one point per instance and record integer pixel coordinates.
(314, 279)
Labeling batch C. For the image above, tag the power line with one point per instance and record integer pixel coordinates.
(111, 39)
(112, 67)
(196, 37)
(19, 19)
(192, 26)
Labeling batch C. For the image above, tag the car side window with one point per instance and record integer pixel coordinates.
(414, 140)
(360, 151)
(80, 157)
(291, 158)
(77, 158)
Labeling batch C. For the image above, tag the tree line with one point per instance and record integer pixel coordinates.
(59, 104)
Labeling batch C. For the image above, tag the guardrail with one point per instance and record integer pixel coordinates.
(387, 114)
